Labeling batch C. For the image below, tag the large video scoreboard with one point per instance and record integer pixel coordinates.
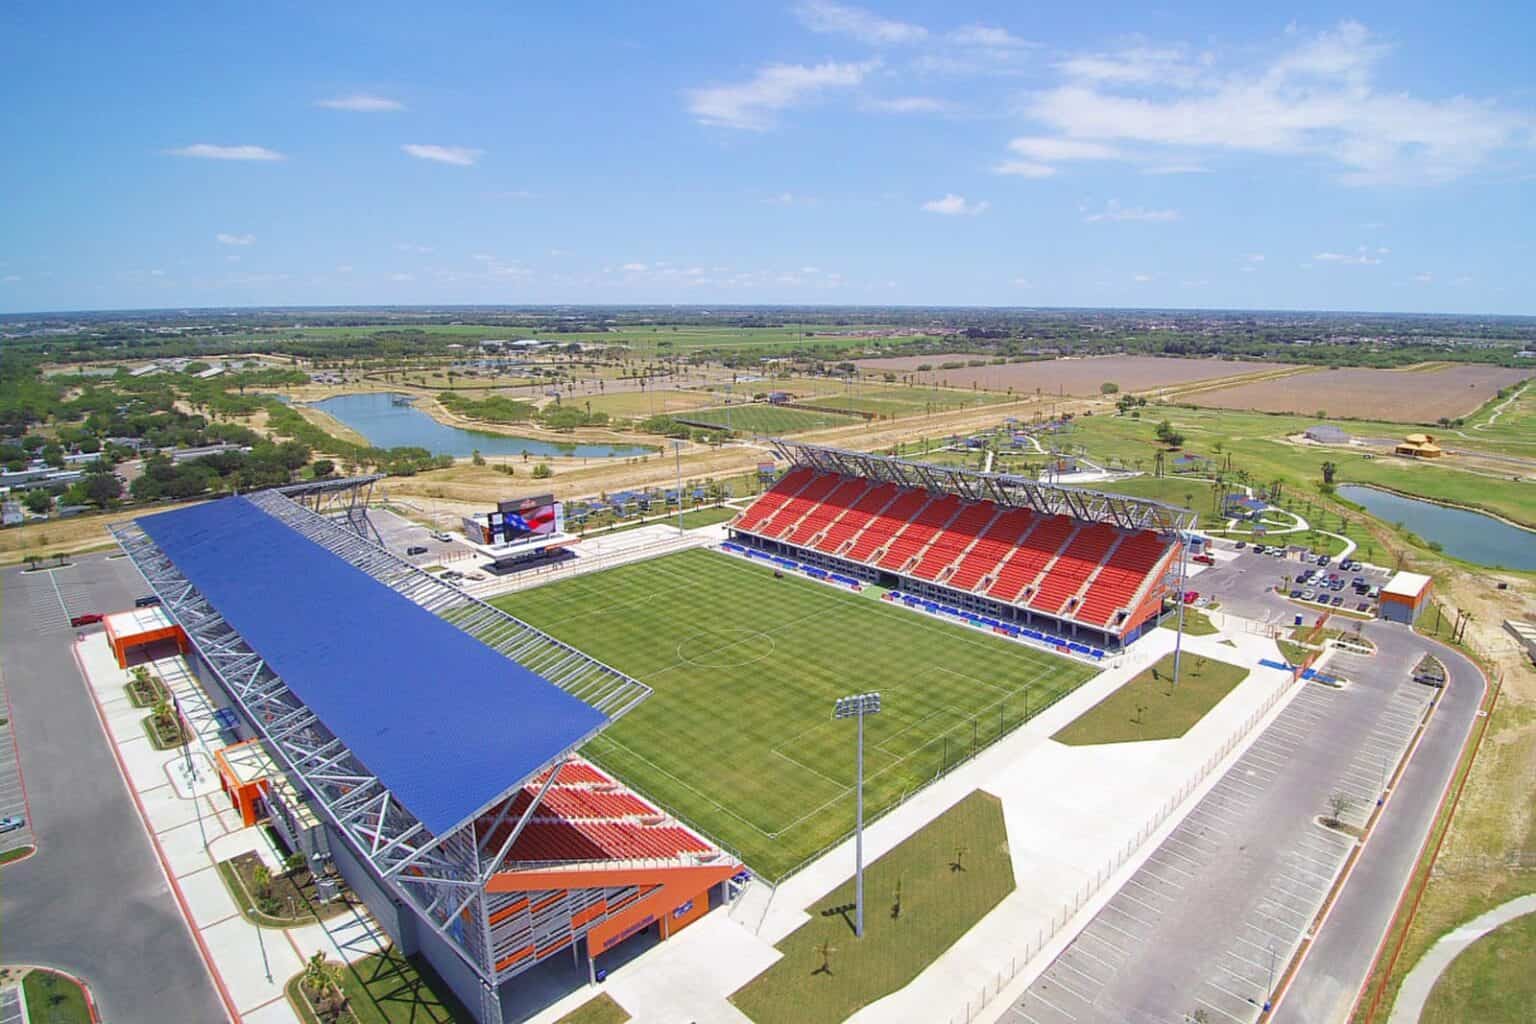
(518, 519)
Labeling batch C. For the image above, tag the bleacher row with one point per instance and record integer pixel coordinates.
(1091, 573)
(815, 572)
(1007, 629)
(587, 816)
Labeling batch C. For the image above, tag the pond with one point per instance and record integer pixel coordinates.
(388, 423)
(1469, 536)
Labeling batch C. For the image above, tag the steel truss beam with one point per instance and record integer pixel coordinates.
(1003, 488)
(443, 876)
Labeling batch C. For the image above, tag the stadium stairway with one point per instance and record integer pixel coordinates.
(881, 528)
(818, 518)
(908, 542)
(1031, 558)
(792, 511)
(938, 561)
(841, 531)
(995, 544)
(774, 497)
(1064, 575)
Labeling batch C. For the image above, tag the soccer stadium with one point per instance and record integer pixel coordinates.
(556, 770)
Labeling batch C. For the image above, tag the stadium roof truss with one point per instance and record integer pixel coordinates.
(444, 875)
(1005, 489)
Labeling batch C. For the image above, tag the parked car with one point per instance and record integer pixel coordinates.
(1373, 593)
(1258, 549)
(1203, 558)
(1296, 592)
(1241, 544)
(416, 549)
(88, 619)
(11, 824)
(441, 535)
(1338, 599)
(148, 601)
(1323, 559)
(1191, 596)
(1309, 594)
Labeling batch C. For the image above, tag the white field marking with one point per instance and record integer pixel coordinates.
(1240, 977)
(707, 798)
(1234, 954)
(1247, 1000)
(798, 764)
(1140, 939)
(1164, 848)
(1075, 947)
(1278, 908)
(1142, 902)
(1179, 837)
(1151, 891)
(1211, 812)
(1056, 980)
(1155, 859)
(1061, 962)
(973, 679)
(1330, 865)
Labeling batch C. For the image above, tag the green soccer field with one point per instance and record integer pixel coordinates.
(760, 418)
(738, 738)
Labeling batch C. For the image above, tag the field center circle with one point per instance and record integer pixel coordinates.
(730, 647)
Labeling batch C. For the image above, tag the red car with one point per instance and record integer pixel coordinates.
(88, 619)
(1203, 558)
(1191, 596)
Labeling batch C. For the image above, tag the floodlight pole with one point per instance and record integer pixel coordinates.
(1178, 638)
(857, 707)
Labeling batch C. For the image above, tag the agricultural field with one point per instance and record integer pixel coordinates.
(738, 737)
(1183, 491)
(1413, 395)
(896, 402)
(762, 418)
(1076, 377)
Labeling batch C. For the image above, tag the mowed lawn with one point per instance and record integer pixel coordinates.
(738, 738)
(761, 418)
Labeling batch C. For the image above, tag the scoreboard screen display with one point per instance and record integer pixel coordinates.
(520, 518)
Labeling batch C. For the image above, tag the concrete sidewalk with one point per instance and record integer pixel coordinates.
(1079, 819)
(192, 828)
(1420, 982)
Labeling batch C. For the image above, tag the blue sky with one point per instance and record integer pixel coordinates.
(1378, 157)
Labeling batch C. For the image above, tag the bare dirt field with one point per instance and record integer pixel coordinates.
(1413, 395)
(1069, 376)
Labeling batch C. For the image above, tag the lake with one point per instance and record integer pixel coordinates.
(389, 425)
(1469, 536)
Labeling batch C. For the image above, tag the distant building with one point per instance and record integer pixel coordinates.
(1242, 507)
(184, 454)
(212, 371)
(146, 370)
(1327, 433)
(11, 514)
(1419, 446)
(779, 397)
(1405, 597)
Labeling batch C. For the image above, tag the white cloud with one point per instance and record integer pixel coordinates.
(1023, 282)
(988, 37)
(752, 104)
(460, 156)
(864, 25)
(1113, 211)
(402, 277)
(634, 268)
(1255, 257)
(514, 193)
(209, 151)
(157, 273)
(953, 206)
(412, 247)
(224, 238)
(907, 105)
(232, 258)
(1025, 169)
(1361, 257)
(362, 103)
(11, 278)
(1424, 278)
(1142, 278)
(343, 268)
(1050, 149)
(1176, 168)
(1316, 99)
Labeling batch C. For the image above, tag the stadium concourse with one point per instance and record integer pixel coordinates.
(1081, 564)
(431, 736)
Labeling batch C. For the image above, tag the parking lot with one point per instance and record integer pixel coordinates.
(1244, 584)
(1215, 914)
(400, 535)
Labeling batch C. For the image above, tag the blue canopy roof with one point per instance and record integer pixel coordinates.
(446, 723)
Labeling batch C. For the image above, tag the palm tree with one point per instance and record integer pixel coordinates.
(1329, 469)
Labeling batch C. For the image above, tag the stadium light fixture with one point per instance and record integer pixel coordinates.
(677, 450)
(858, 706)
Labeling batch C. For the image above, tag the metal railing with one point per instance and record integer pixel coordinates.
(1023, 956)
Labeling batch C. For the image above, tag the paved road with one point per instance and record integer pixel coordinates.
(1337, 965)
(93, 900)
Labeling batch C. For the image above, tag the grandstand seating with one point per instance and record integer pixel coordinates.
(1030, 558)
(907, 542)
(774, 497)
(833, 505)
(995, 544)
(779, 524)
(587, 816)
(954, 539)
(1056, 565)
(1078, 560)
(884, 525)
(1122, 576)
(843, 529)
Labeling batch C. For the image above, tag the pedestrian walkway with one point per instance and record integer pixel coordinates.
(1420, 982)
(193, 827)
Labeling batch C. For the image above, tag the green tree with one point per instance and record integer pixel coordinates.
(542, 471)
(1329, 469)
(1109, 387)
(38, 501)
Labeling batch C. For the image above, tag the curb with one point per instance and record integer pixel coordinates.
(154, 841)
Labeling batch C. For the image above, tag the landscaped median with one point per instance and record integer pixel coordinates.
(52, 997)
(919, 899)
(385, 988)
(1152, 707)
